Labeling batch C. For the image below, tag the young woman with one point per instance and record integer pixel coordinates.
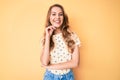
(60, 52)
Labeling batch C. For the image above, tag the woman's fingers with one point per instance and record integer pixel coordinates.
(49, 30)
(53, 27)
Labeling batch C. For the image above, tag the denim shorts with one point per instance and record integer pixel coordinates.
(50, 76)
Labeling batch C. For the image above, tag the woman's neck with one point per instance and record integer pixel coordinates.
(58, 30)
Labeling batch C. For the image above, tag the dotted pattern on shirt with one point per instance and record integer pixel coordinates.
(60, 52)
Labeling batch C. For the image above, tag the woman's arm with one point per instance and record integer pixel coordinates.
(45, 55)
(74, 62)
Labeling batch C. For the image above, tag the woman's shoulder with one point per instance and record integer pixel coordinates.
(75, 37)
(73, 33)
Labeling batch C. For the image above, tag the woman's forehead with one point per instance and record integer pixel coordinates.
(56, 9)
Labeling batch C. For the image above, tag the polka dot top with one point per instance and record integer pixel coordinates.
(60, 52)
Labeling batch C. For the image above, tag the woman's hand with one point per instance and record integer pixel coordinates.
(49, 30)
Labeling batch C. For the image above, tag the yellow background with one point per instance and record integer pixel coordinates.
(97, 22)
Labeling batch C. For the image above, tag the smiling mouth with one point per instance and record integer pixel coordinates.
(57, 21)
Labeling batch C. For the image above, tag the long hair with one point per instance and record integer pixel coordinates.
(66, 33)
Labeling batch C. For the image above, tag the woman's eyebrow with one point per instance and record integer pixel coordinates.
(55, 12)
(60, 12)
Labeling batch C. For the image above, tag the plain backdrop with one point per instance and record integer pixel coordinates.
(96, 22)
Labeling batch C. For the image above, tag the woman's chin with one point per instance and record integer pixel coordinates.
(57, 26)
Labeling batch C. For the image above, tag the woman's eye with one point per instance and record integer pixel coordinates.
(53, 14)
(60, 14)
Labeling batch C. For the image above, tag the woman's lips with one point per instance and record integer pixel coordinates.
(57, 21)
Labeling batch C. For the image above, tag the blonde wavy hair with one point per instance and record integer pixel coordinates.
(66, 33)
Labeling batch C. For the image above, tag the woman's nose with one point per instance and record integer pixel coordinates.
(57, 16)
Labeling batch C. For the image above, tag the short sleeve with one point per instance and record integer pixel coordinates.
(76, 39)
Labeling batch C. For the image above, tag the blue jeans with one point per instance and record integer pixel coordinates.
(50, 76)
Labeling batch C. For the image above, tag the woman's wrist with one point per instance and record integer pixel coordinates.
(47, 37)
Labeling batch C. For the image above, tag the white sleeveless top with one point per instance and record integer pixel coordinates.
(60, 52)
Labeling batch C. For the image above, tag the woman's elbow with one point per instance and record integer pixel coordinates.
(76, 64)
(44, 62)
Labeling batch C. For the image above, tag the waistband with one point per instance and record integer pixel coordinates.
(49, 72)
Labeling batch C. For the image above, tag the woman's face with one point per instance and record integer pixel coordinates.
(56, 17)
